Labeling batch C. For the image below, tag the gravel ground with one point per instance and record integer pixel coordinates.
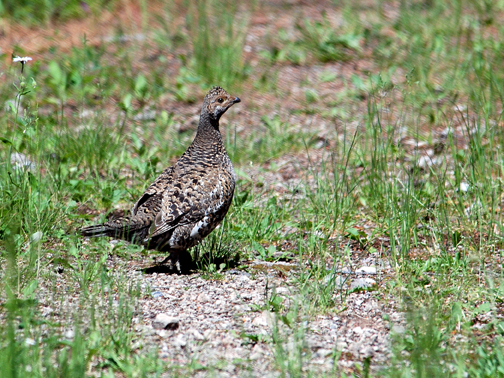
(194, 319)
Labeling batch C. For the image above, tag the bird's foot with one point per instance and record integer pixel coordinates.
(177, 266)
(174, 262)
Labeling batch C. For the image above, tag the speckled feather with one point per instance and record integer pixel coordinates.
(189, 199)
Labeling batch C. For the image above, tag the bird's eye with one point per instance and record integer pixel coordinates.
(220, 99)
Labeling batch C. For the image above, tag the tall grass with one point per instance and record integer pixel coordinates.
(33, 12)
(217, 30)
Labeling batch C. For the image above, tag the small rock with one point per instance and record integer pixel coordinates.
(163, 321)
(260, 321)
(340, 345)
(426, 161)
(321, 143)
(207, 334)
(366, 270)
(70, 334)
(29, 341)
(257, 352)
(323, 352)
(283, 290)
(345, 363)
(459, 107)
(87, 113)
(246, 296)
(157, 294)
(480, 326)
(398, 329)
(47, 311)
(197, 335)
(362, 283)
(366, 351)
(148, 115)
(179, 341)
(464, 186)
(358, 330)
(203, 298)
(355, 348)
(358, 302)
(341, 283)
(265, 319)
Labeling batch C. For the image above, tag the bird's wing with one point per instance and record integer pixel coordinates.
(157, 188)
(190, 199)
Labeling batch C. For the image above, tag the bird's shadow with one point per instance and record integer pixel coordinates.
(187, 265)
(190, 266)
(161, 268)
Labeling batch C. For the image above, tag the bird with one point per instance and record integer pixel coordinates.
(189, 199)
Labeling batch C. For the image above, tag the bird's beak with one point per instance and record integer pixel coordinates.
(236, 100)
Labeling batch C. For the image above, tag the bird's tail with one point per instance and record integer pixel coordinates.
(97, 230)
(123, 228)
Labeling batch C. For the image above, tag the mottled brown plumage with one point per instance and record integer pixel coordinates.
(189, 199)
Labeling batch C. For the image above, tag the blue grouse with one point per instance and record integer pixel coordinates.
(189, 199)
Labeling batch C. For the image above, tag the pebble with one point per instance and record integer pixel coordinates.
(203, 298)
(264, 319)
(179, 341)
(258, 351)
(69, 335)
(366, 270)
(148, 115)
(283, 290)
(341, 283)
(164, 321)
(358, 331)
(355, 348)
(398, 329)
(366, 351)
(323, 352)
(340, 345)
(197, 335)
(464, 186)
(362, 283)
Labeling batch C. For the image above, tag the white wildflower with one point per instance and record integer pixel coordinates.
(22, 60)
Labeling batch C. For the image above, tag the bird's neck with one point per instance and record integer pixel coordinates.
(208, 129)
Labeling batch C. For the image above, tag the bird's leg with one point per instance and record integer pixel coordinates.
(177, 265)
(165, 260)
(170, 259)
(173, 257)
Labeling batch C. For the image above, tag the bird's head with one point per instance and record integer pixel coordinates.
(217, 101)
